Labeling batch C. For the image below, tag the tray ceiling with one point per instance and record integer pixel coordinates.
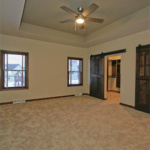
(39, 20)
(47, 13)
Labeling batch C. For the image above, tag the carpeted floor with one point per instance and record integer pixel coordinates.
(73, 123)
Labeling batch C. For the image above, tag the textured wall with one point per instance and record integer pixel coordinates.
(51, 59)
(47, 68)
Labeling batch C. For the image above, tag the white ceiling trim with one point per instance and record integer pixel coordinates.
(51, 35)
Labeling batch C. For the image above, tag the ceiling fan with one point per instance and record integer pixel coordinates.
(82, 16)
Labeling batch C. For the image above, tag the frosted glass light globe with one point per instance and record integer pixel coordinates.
(80, 20)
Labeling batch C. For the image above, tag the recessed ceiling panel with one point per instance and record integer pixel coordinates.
(47, 13)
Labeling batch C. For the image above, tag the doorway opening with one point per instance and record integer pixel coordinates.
(113, 78)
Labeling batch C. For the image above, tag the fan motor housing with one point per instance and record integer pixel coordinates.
(80, 9)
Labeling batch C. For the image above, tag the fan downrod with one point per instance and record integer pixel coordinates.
(80, 9)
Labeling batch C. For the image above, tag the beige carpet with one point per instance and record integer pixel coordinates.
(73, 123)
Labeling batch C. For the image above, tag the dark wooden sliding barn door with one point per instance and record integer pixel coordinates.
(143, 78)
(97, 76)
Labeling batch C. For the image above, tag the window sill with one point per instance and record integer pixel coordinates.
(12, 89)
(75, 85)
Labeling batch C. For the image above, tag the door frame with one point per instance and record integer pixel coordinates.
(108, 71)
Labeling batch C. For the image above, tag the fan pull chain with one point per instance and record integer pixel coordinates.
(75, 26)
(84, 26)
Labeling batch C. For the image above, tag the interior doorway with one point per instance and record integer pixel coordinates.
(113, 78)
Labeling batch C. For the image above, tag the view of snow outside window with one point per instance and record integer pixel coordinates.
(74, 71)
(14, 70)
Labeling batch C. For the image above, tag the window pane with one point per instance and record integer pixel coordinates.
(5, 78)
(142, 94)
(141, 70)
(74, 78)
(75, 65)
(14, 79)
(14, 69)
(148, 59)
(70, 64)
(24, 62)
(80, 65)
(148, 70)
(24, 78)
(142, 59)
(75, 71)
(15, 62)
(70, 78)
(6, 60)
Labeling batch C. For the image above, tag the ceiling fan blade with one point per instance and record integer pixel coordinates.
(95, 20)
(90, 9)
(66, 21)
(69, 10)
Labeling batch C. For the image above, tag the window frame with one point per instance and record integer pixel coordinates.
(74, 58)
(2, 52)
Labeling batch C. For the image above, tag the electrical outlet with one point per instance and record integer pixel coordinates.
(78, 94)
(19, 101)
(23, 101)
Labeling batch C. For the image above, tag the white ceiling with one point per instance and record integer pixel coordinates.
(39, 20)
(47, 13)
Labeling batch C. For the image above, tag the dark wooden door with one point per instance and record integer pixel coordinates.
(97, 76)
(143, 78)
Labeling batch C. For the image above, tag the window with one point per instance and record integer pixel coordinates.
(75, 71)
(14, 70)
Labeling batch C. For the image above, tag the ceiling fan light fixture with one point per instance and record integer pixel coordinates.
(80, 20)
(81, 17)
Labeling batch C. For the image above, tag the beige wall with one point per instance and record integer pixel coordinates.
(128, 61)
(47, 68)
(51, 59)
